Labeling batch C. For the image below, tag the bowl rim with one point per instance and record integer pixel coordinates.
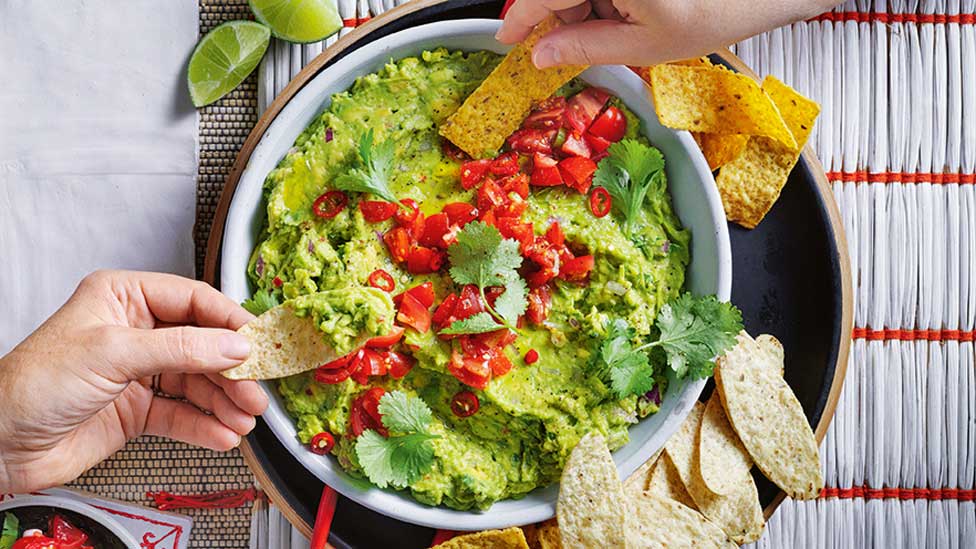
(401, 505)
(80, 507)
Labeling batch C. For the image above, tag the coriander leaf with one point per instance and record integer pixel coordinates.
(403, 414)
(477, 323)
(695, 330)
(372, 175)
(10, 532)
(261, 301)
(373, 452)
(512, 303)
(482, 257)
(632, 374)
(412, 456)
(628, 173)
(398, 460)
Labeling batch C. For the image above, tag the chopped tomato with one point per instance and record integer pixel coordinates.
(596, 143)
(460, 213)
(469, 303)
(435, 229)
(397, 242)
(466, 376)
(529, 140)
(588, 103)
(575, 146)
(499, 364)
(386, 341)
(381, 280)
(367, 363)
(546, 257)
(600, 202)
(546, 177)
(496, 339)
(491, 196)
(577, 268)
(611, 125)
(505, 164)
(63, 532)
(488, 218)
(375, 211)
(330, 204)
(464, 404)
(515, 206)
(540, 160)
(452, 151)
(513, 227)
(555, 235)
(337, 364)
(365, 414)
(399, 364)
(444, 314)
(546, 115)
(578, 172)
(532, 356)
(540, 301)
(473, 171)
(422, 260)
(413, 313)
(424, 293)
(322, 443)
(34, 542)
(406, 217)
(333, 377)
(518, 184)
(277, 282)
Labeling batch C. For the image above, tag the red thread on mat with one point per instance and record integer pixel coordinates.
(351, 23)
(936, 178)
(227, 499)
(864, 492)
(363, 20)
(891, 18)
(911, 335)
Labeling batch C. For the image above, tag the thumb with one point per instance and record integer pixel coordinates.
(135, 353)
(594, 42)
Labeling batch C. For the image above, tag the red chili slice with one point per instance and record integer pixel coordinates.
(505, 164)
(322, 443)
(611, 125)
(452, 151)
(364, 413)
(532, 356)
(473, 171)
(397, 241)
(382, 280)
(386, 341)
(330, 204)
(600, 202)
(546, 177)
(413, 313)
(337, 364)
(465, 404)
(460, 213)
(405, 217)
(332, 377)
(375, 211)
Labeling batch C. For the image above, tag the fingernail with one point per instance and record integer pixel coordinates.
(546, 56)
(234, 346)
(498, 34)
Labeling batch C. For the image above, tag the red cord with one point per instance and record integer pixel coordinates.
(441, 536)
(323, 518)
(227, 499)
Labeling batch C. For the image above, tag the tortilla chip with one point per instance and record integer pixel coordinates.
(702, 99)
(509, 538)
(544, 535)
(592, 510)
(666, 483)
(720, 148)
(666, 523)
(636, 483)
(770, 420)
(751, 183)
(722, 458)
(500, 104)
(738, 513)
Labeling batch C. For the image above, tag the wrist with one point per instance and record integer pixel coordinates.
(5, 432)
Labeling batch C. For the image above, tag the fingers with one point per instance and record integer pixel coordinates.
(181, 421)
(575, 14)
(205, 394)
(590, 43)
(524, 15)
(247, 395)
(133, 353)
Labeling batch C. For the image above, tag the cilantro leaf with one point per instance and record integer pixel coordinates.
(628, 173)
(10, 532)
(694, 330)
(261, 301)
(372, 175)
(402, 414)
(628, 370)
(477, 323)
(512, 303)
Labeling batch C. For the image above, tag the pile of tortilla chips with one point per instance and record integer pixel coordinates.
(699, 491)
(751, 133)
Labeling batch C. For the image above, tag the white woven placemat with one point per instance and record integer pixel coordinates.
(897, 84)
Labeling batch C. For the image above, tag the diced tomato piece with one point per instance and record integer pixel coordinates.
(577, 268)
(473, 346)
(367, 363)
(597, 157)
(488, 218)
(473, 171)
(416, 227)
(452, 151)
(386, 341)
(413, 313)
(337, 364)
(575, 146)
(574, 120)
(469, 303)
(399, 364)
(611, 125)
(596, 143)
(497, 339)
(499, 364)
(65, 533)
(513, 227)
(405, 217)
(540, 160)
(460, 213)
(588, 103)
(491, 196)
(444, 313)
(375, 211)
(505, 164)
(435, 228)
(422, 260)
(547, 114)
(514, 207)
(423, 293)
(332, 377)
(467, 376)
(578, 173)
(546, 177)
(518, 184)
(555, 235)
(529, 140)
(397, 242)
(540, 301)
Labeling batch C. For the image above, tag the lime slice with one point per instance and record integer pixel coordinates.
(300, 21)
(224, 58)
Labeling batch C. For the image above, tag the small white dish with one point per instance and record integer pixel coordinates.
(696, 201)
(57, 502)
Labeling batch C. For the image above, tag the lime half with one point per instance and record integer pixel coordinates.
(224, 58)
(300, 21)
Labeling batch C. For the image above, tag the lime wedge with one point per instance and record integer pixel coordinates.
(224, 58)
(300, 21)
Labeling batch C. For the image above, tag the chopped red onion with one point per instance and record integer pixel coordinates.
(666, 246)
(259, 266)
(328, 135)
(653, 395)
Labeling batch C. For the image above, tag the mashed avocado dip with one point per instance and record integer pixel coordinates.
(530, 417)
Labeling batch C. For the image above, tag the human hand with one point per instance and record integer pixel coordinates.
(646, 32)
(80, 386)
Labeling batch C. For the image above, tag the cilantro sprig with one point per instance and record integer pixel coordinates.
(372, 174)
(261, 301)
(628, 174)
(10, 532)
(407, 454)
(694, 330)
(483, 258)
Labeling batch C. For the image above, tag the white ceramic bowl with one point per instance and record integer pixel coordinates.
(696, 202)
(58, 502)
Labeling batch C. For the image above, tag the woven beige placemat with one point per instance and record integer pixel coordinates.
(153, 464)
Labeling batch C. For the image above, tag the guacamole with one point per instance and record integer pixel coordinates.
(530, 417)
